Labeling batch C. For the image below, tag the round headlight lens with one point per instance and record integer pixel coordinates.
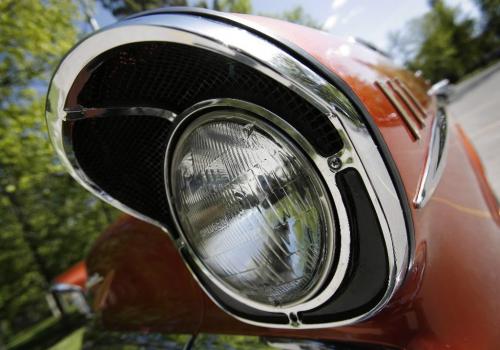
(252, 208)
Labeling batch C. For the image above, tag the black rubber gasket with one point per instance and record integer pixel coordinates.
(368, 273)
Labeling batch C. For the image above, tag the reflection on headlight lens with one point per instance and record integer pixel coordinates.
(252, 209)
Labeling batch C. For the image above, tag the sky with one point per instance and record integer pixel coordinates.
(371, 20)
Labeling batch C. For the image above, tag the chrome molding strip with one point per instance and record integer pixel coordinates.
(404, 96)
(435, 161)
(252, 50)
(384, 87)
(105, 112)
(415, 101)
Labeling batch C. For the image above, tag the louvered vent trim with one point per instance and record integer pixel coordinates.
(405, 103)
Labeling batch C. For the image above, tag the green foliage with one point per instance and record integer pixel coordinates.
(236, 6)
(32, 333)
(96, 338)
(71, 342)
(439, 43)
(490, 25)
(232, 342)
(47, 221)
(126, 7)
(490, 11)
(27, 38)
(121, 8)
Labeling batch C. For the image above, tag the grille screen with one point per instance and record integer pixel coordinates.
(124, 155)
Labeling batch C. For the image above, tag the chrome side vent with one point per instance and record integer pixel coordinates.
(406, 104)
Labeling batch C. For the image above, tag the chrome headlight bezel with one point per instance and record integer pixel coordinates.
(324, 208)
(231, 108)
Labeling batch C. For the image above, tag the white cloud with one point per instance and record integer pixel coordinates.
(336, 4)
(330, 22)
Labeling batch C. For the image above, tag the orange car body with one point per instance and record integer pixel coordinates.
(450, 296)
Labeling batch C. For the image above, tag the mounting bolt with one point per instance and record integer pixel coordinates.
(180, 243)
(335, 163)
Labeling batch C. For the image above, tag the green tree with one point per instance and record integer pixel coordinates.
(237, 6)
(47, 221)
(121, 8)
(440, 44)
(490, 26)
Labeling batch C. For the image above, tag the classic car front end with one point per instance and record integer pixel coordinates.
(290, 184)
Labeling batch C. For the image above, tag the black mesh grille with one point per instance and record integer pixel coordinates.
(172, 77)
(124, 156)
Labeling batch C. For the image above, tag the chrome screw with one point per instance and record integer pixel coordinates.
(335, 163)
(180, 243)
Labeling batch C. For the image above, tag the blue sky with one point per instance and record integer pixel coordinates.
(371, 20)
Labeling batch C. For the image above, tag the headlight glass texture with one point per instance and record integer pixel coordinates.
(252, 208)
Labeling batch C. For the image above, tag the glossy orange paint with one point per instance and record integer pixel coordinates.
(145, 285)
(481, 175)
(450, 297)
(75, 275)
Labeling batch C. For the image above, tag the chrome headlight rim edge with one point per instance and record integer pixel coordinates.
(218, 110)
(339, 245)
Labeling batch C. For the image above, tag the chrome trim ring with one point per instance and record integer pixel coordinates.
(250, 49)
(191, 117)
(102, 112)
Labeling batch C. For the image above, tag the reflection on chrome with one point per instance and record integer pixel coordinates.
(434, 165)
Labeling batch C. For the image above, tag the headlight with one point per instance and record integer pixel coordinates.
(252, 207)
